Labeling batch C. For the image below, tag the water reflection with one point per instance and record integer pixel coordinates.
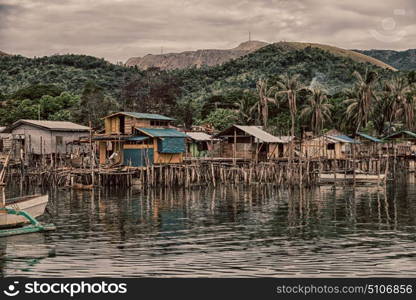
(222, 232)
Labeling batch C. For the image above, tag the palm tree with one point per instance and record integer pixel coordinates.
(408, 111)
(262, 106)
(359, 103)
(317, 109)
(289, 87)
(244, 110)
(398, 91)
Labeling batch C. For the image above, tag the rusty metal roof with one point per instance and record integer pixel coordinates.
(142, 116)
(199, 136)
(50, 125)
(258, 133)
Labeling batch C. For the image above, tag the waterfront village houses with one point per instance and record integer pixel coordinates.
(43, 137)
(140, 139)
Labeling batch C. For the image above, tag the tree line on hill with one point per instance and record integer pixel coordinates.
(284, 91)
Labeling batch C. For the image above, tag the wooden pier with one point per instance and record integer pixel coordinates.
(297, 172)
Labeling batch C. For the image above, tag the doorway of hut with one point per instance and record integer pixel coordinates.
(122, 124)
(262, 152)
(281, 150)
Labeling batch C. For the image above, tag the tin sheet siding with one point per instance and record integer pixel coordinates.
(35, 136)
(6, 141)
(138, 157)
(171, 145)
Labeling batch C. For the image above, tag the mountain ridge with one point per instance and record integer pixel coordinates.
(213, 57)
(402, 60)
(198, 58)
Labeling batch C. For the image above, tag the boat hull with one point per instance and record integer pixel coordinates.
(331, 177)
(34, 205)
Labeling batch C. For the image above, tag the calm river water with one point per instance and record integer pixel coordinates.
(228, 231)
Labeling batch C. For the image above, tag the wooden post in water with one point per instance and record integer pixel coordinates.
(235, 147)
(3, 170)
(92, 160)
(353, 163)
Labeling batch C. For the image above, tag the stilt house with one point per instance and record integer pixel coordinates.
(140, 139)
(250, 142)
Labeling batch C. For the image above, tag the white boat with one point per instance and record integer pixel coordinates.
(34, 205)
(360, 177)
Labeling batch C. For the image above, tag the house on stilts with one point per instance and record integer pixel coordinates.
(332, 145)
(29, 139)
(140, 139)
(251, 143)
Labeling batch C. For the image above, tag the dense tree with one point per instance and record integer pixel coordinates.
(45, 108)
(289, 88)
(245, 106)
(360, 98)
(93, 106)
(221, 118)
(317, 109)
(265, 93)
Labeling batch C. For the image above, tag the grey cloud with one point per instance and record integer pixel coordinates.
(119, 29)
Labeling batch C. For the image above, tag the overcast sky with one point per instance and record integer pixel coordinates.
(119, 29)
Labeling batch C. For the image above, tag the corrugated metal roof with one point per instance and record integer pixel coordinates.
(162, 132)
(343, 139)
(136, 138)
(119, 138)
(286, 138)
(51, 125)
(259, 133)
(142, 116)
(369, 137)
(406, 132)
(2, 128)
(199, 136)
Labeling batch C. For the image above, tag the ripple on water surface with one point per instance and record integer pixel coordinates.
(228, 231)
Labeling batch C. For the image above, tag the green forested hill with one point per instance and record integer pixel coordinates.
(94, 87)
(401, 60)
(69, 72)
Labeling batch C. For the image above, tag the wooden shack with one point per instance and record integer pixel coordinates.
(400, 143)
(36, 137)
(139, 139)
(369, 146)
(200, 144)
(334, 145)
(123, 123)
(250, 142)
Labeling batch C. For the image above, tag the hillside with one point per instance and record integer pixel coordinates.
(209, 57)
(97, 87)
(402, 60)
(3, 53)
(358, 57)
(212, 57)
(69, 72)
